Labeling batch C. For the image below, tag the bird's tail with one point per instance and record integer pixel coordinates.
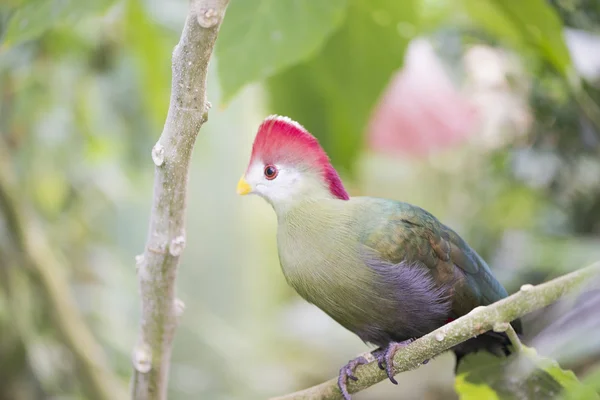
(496, 343)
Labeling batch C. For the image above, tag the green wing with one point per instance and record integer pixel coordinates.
(406, 233)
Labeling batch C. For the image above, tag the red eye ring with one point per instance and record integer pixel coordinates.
(271, 171)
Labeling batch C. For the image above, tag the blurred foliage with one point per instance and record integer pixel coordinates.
(84, 90)
(269, 35)
(336, 90)
(318, 91)
(581, 14)
(530, 25)
(524, 376)
(33, 18)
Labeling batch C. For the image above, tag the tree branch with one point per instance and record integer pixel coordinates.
(157, 267)
(480, 320)
(514, 339)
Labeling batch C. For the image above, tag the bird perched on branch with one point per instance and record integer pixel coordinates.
(388, 271)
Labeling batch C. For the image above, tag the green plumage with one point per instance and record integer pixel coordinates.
(350, 258)
(387, 271)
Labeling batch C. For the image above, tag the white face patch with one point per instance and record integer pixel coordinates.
(275, 190)
(288, 187)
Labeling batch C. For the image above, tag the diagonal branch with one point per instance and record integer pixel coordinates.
(157, 267)
(481, 319)
(33, 251)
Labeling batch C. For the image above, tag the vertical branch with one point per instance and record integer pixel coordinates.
(157, 267)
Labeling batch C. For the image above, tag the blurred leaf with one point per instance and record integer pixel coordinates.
(530, 23)
(472, 391)
(150, 46)
(514, 207)
(32, 19)
(520, 376)
(333, 94)
(435, 13)
(50, 191)
(591, 381)
(15, 3)
(261, 37)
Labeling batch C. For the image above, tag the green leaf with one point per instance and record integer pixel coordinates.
(262, 37)
(521, 376)
(333, 94)
(34, 18)
(591, 381)
(150, 45)
(472, 391)
(531, 23)
(567, 379)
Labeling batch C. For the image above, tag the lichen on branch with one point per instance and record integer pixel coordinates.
(157, 266)
(478, 321)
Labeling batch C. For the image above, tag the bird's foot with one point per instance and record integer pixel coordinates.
(347, 372)
(385, 357)
(379, 355)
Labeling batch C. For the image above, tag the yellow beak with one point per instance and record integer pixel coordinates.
(243, 187)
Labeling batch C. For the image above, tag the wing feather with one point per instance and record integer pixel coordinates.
(409, 234)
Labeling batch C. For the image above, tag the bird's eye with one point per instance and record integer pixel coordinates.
(270, 172)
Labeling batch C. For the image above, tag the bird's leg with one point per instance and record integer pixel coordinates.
(387, 357)
(347, 372)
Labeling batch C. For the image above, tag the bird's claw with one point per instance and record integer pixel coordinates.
(385, 361)
(387, 357)
(379, 355)
(347, 372)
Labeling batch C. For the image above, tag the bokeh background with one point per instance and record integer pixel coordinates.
(484, 112)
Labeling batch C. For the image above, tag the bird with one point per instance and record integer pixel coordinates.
(388, 271)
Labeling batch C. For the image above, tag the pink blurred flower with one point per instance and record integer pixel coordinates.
(421, 110)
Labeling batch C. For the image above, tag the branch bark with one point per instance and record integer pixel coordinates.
(157, 267)
(482, 319)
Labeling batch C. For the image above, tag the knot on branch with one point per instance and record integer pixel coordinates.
(526, 287)
(139, 261)
(208, 16)
(179, 307)
(158, 154)
(440, 336)
(142, 358)
(500, 327)
(207, 107)
(177, 246)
